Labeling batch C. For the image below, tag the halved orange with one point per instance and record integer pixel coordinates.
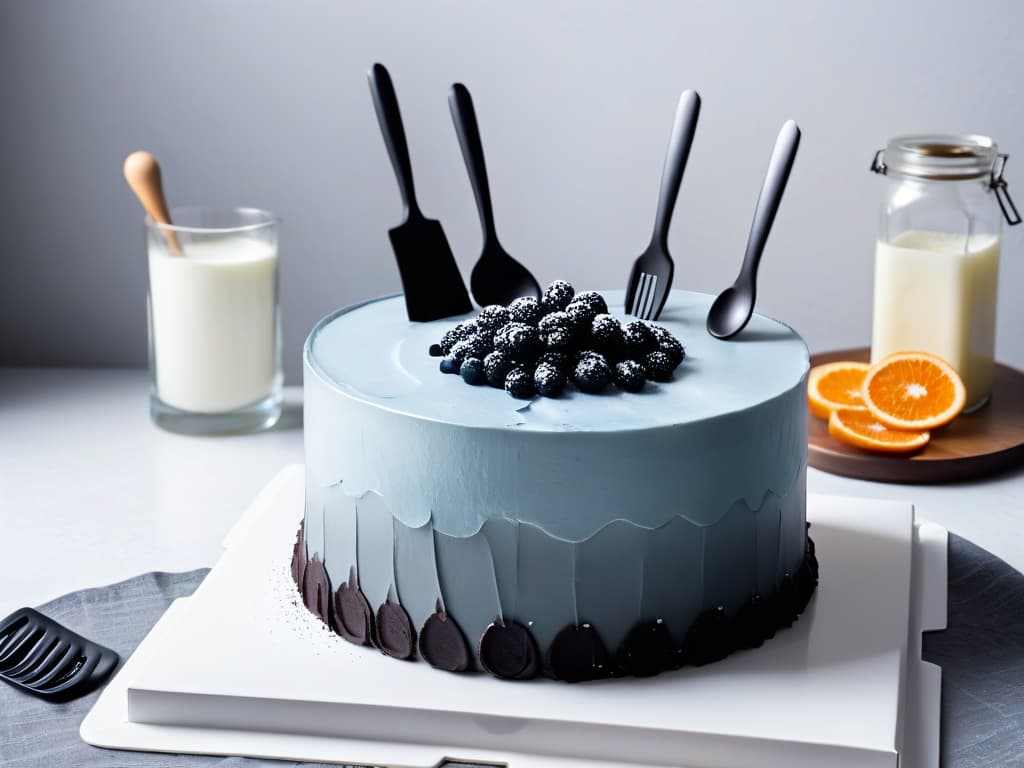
(836, 385)
(858, 427)
(913, 390)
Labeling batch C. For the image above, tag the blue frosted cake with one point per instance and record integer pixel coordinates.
(596, 532)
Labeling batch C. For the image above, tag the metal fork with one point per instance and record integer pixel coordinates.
(44, 658)
(651, 278)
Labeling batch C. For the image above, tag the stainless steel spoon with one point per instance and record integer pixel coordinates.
(732, 309)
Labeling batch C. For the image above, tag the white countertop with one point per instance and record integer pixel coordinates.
(91, 492)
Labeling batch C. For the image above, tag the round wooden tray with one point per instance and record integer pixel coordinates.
(974, 445)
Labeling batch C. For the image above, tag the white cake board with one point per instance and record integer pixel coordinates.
(241, 668)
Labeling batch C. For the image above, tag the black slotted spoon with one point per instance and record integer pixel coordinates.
(651, 277)
(497, 278)
(43, 658)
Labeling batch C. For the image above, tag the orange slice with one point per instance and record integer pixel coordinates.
(860, 428)
(913, 390)
(835, 385)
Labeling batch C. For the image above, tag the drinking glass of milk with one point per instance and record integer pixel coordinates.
(214, 325)
(937, 255)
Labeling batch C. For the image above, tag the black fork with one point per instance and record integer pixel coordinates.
(651, 277)
(43, 658)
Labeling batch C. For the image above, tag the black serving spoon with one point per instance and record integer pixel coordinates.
(732, 309)
(497, 278)
(43, 658)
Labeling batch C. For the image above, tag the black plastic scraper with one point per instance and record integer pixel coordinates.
(48, 660)
(430, 277)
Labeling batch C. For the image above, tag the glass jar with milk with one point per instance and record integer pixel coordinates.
(214, 326)
(937, 255)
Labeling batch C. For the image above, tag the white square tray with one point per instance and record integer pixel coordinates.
(241, 668)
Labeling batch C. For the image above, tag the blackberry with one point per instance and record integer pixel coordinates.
(436, 351)
(449, 365)
(558, 359)
(458, 333)
(557, 296)
(594, 300)
(549, 380)
(638, 337)
(519, 341)
(496, 368)
(491, 318)
(606, 336)
(582, 315)
(559, 340)
(519, 383)
(670, 346)
(658, 366)
(582, 354)
(629, 375)
(525, 309)
(554, 321)
(659, 332)
(592, 374)
(472, 371)
(474, 346)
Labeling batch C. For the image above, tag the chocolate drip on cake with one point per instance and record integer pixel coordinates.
(442, 644)
(754, 623)
(299, 556)
(578, 654)
(316, 589)
(508, 651)
(395, 635)
(647, 650)
(709, 639)
(787, 601)
(353, 619)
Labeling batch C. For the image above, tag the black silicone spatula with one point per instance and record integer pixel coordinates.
(431, 280)
(497, 278)
(43, 658)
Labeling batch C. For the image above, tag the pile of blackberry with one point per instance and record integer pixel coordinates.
(535, 347)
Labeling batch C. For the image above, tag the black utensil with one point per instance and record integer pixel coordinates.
(651, 278)
(431, 280)
(497, 278)
(43, 658)
(732, 309)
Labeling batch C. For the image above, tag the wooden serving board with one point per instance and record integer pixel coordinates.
(974, 445)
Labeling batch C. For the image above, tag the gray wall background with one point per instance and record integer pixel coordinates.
(266, 104)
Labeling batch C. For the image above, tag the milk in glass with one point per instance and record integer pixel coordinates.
(213, 312)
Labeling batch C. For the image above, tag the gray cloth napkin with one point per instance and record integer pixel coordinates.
(981, 654)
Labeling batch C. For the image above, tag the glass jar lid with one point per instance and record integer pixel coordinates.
(938, 157)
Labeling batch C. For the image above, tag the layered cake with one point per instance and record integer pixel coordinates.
(627, 528)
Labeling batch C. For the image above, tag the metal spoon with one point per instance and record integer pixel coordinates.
(732, 309)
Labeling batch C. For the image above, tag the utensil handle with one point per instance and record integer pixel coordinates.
(464, 117)
(683, 130)
(142, 172)
(390, 118)
(779, 166)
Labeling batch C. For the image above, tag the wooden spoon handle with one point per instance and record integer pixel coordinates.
(142, 172)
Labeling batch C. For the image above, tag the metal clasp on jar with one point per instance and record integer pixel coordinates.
(999, 186)
(877, 163)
